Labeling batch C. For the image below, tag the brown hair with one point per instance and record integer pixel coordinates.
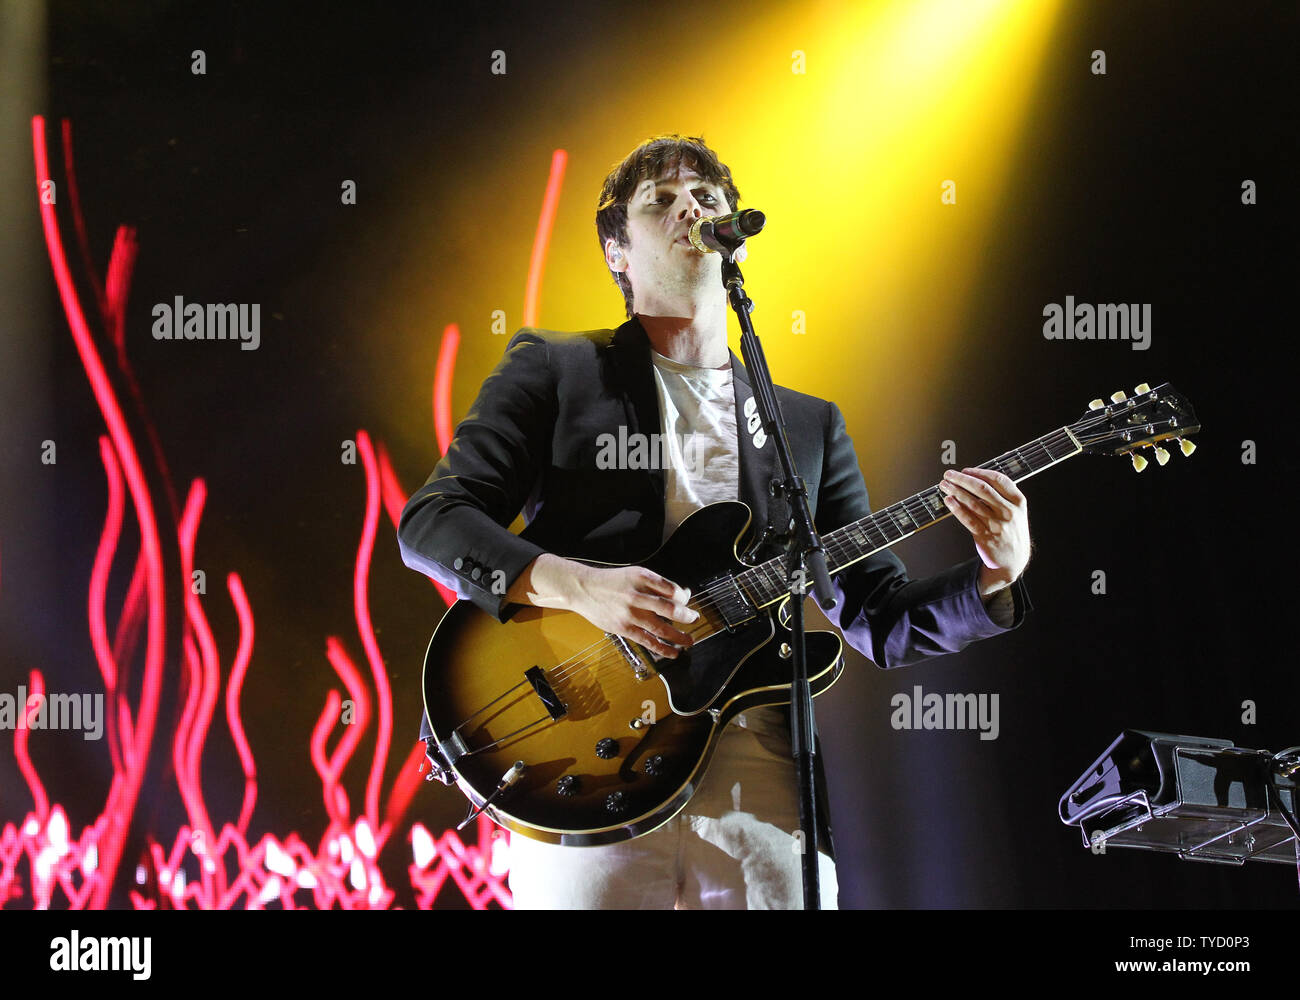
(657, 156)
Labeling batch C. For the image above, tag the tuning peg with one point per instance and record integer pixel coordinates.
(1139, 463)
(1141, 387)
(1096, 404)
(1118, 396)
(1162, 456)
(1187, 446)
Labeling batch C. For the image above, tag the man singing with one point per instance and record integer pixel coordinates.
(529, 443)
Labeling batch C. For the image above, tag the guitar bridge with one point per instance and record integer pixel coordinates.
(638, 665)
(439, 766)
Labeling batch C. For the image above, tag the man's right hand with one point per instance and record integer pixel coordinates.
(630, 601)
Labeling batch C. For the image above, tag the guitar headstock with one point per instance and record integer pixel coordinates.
(1126, 424)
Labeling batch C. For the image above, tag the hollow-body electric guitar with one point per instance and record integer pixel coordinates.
(563, 733)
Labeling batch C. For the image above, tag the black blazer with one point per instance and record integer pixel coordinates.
(530, 442)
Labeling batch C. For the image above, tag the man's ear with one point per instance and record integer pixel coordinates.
(615, 258)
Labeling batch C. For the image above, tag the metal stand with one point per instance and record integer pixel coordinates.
(804, 553)
(1202, 799)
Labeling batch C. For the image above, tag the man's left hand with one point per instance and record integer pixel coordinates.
(996, 514)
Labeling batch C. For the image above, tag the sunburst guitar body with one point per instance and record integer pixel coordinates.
(612, 742)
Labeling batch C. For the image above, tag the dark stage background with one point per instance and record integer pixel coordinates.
(1122, 187)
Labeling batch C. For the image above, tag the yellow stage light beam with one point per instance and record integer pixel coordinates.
(841, 121)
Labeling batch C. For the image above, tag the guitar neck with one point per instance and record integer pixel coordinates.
(766, 583)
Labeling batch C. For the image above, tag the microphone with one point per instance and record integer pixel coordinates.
(724, 234)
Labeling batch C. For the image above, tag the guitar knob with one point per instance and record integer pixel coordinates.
(1096, 404)
(1118, 396)
(1162, 456)
(1187, 446)
(1141, 387)
(654, 766)
(607, 748)
(1139, 463)
(567, 786)
(615, 802)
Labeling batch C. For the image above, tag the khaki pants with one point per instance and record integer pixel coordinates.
(732, 847)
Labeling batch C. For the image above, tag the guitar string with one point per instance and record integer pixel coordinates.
(610, 656)
(567, 669)
(922, 503)
(837, 547)
(610, 659)
(613, 689)
(596, 668)
(581, 662)
(909, 506)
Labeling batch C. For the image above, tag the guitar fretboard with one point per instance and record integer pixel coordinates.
(766, 583)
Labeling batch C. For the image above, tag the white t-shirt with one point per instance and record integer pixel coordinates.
(698, 410)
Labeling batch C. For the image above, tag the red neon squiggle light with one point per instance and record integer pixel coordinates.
(103, 563)
(542, 239)
(119, 818)
(442, 425)
(126, 635)
(478, 871)
(243, 654)
(204, 680)
(361, 597)
(343, 869)
(335, 798)
(394, 500)
(79, 224)
(35, 689)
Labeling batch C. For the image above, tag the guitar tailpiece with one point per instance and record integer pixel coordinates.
(437, 771)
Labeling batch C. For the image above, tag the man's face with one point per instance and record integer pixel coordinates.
(666, 272)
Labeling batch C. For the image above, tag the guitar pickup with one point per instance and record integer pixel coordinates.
(554, 707)
(729, 600)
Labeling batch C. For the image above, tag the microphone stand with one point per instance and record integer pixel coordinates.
(804, 552)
